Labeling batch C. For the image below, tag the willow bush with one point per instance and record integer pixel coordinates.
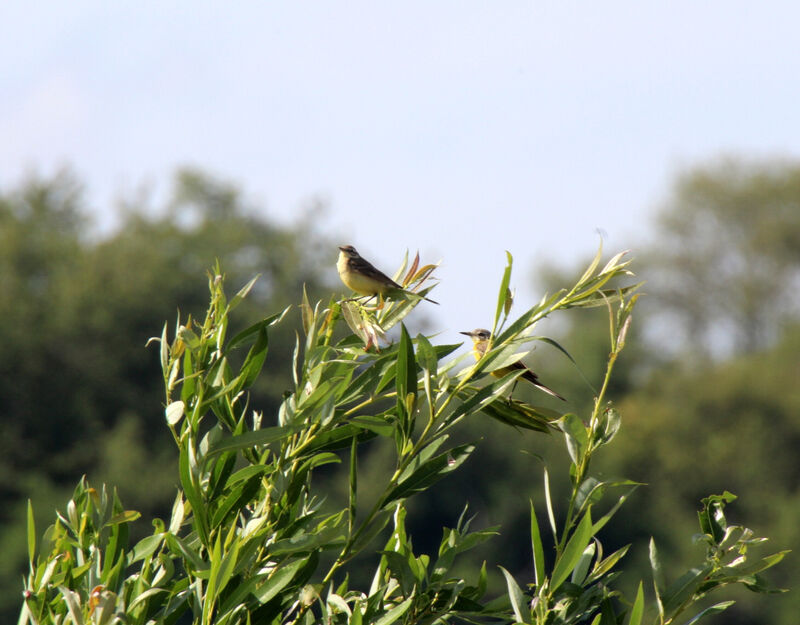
(252, 537)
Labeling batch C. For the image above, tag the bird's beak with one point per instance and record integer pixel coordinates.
(341, 247)
(466, 333)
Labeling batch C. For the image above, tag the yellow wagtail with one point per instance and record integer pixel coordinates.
(480, 341)
(362, 277)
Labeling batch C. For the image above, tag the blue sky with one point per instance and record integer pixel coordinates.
(458, 128)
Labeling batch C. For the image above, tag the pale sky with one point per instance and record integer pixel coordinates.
(459, 128)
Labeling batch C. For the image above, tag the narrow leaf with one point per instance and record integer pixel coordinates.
(395, 613)
(638, 607)
(502, 294)
(31, 534)
(714, 609)
(516, 596)
(538, 549)
(572, 552)
(307, 312)
(243, 292)
(254, 361)
(279, 579)
(576, 436)
(548, 500)
(429, 473)
(254, 438)
(353, 484)
(684, 588)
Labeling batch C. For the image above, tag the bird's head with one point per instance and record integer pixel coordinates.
(480, 339)
(478, 334)
(349, 251)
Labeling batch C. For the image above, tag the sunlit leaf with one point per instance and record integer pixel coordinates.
(538, 549)
(174, 412)
(516, 596)
(572, 551)
(714, 609)
(637, 611)
(503, 292)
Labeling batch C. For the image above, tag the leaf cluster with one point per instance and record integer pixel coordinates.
(251, 539)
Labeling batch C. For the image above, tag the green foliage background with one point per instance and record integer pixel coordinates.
(708, 390)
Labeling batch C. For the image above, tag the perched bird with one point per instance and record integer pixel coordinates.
(480, 341)
(362, 277)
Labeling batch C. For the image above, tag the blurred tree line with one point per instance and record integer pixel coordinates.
(79, 391)
(708, 388)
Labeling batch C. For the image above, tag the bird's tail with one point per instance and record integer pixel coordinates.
(548, 390)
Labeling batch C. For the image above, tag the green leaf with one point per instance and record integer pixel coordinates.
(501, 356)
(353, 483)
(613, 421)
(549, 501)
(714, 609)
(429, 473)
(582, 567)
(221, 569)
(146, 547)
(503, 292)
(684, 589)
(236, 499)
(658, 575)
(516, 596)
(607, 516)
(163, 349)
(395, 613)
(406, 377)
(604, 566)
(278, 580)
(638, 607)
(592, 266)
(185, 464)
(712, 516)
(335, 601)
(307, 312)
(745, 568)
(509, 302)
(242, 293)
(589, 492)
(255, 438)
(426, 355)
(538, 549)
(72, 599)
(375, 527)
(31, 534)
(522, 415)
(338, 438)
(181, 548)
(573, 551)
(483, 396)
(251, 333)
(378, 425)
(756, 583)
(126, 516)
(254, 361)
(422, 457)
(576, 436)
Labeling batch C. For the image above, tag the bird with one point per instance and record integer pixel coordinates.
(361, 276)
(480, 341)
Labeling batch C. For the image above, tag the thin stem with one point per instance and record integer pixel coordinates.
(583, 465)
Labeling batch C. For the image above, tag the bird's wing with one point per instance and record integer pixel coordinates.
(534, 379)
(367, 268)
